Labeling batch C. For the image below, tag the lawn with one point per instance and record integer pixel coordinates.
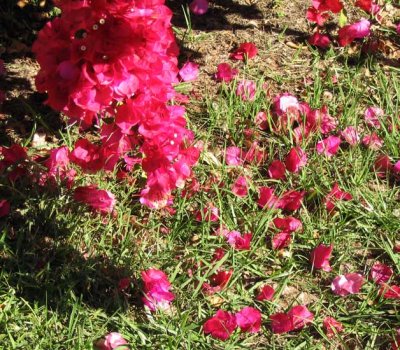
(71, 275)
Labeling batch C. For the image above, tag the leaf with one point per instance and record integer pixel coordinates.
(342, 19)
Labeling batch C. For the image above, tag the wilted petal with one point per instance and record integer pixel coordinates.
(249, 320)
(350, 283)
(320, 257)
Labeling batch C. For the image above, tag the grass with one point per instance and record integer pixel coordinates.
(61, 264)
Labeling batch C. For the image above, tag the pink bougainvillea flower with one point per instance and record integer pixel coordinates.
(320, 40)
(112, 341)
(262, 120)
(281, 240)
(289, 224)
(87, 156)
(335, 195)
(246, 90)
(315, 16)
(4, 208)
(291, 200)
(334, 6)
(189, 71)
(295, 160)
(286, 104)
(267, 198)
(156, 290)
(383, 165)
(221, 325)
(389, 291)
(321, 120)
(244, 51)
(234, 156)
(100, 200)
(372, 141)
(358, 30)
(239, 242)
(209, 214)
(199, 7)
(368, 6)
(239, 188)
(225, 72)
(249, 320)
(266, 293)
(332, 326)
(381, 273)
(218, 282)
(350, 135)
(372, 116)
(276, 170)
(350, 283)
(320, 257)
(297, 317)
(329, 146)
(218, 254)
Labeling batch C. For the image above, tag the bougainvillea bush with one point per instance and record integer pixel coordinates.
(273, 224)
(113, 65)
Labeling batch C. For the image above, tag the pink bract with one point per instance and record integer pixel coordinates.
(277, 170)
(381, 273)
(320, 40)
(249, 319)
(329, 146)
(332, 326)
(266, 293)
(246, 90)
(350, 283)
(189, 71)
(156, 290)
(238, 241)
(334, 6)
(112, 341)
(244, 51)
(100, 200)
(225, 72)
(320, 257)
(221, 325)
(295, 160)
(372, 141)
(350, 135)
(297, 317)
(239, 188)
(372, 116)
(358, 30)
(199, 7)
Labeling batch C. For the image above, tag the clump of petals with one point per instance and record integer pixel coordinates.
(244, 51)
(276, 170)
(218, 282)
(112, 341)
(221, 325)
(267, 198)
(225, 72)
(350, 283)
(372, 116)
(350, 135)
(336, 194)
(381, 273)
(319, 40)
(249, 319)
(332, 326)
(156, 290)
(358, 30)
(390, 292)
(297, 317)
(100, 200)
(246, 90)
(239, 242)
(329, 146)
(372, 141)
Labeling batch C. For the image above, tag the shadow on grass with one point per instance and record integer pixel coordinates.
(43, 267)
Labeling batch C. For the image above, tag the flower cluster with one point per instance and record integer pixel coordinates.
(114, 63)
